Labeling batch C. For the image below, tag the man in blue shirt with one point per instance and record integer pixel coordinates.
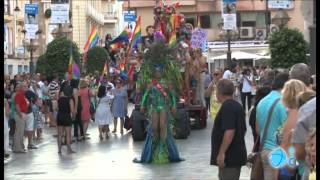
(278, 118)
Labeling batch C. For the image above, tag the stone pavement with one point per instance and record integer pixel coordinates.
(112, 159)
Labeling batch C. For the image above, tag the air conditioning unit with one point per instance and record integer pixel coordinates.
(246, 32)
(261, 34)
(273, 28)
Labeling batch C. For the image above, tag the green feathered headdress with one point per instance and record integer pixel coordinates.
(160, 55)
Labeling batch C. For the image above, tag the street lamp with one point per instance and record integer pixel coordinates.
(62, 31)
(31, 46)
(281, 18)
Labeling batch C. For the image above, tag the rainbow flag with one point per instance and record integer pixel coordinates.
(116, 46)
(123, 37)
(136, 38)
(92, 40)
(173, 38)
(73, 69)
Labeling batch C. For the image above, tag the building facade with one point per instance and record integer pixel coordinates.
(252, 24)
(105, 15)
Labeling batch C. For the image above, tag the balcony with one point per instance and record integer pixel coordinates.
(110, 17)
(101, 18)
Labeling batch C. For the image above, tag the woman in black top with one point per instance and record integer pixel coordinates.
(66, 112)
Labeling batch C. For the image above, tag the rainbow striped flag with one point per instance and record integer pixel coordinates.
(73, 69)
(116, 46)
(136, 38)
(123, 37)
(173, 36)
(92, 40)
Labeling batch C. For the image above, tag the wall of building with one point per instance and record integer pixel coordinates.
(14, 65)
(213, 8)
(80, 32)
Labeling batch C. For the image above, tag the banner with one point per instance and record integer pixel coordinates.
(31, 20)
(59, 14)
(229, 14)
(283, 4)
(199, 38)
(129, 18)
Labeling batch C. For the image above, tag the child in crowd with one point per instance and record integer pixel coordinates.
(38, 123)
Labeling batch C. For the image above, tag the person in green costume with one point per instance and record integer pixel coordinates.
(159, 102)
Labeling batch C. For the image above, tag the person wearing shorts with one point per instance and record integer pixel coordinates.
(29, 128)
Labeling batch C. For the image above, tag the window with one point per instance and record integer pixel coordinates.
(19, 69)
(216, 21)
(26, 68)
(190, 20)
(10, 69)
(205, 21)
(253, 19)
(248, 24)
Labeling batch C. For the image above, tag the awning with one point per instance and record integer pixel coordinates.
(263, 57)
(237, 55)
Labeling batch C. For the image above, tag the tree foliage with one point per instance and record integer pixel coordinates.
(96, 57)
(287, 47)
(56, 58)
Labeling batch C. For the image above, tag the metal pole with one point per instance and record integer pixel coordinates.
(267, 20)
(229, 49)
(31, 53)
(313, 52)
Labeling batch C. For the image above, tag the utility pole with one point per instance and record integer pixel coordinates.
(267, 19)
(313, 51)
(229, 49)
(31, 53)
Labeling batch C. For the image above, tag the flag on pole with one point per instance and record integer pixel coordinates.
(92, 40)
(136, 38)
(116, 46)
(73, 69)
(173, 38)
(123, 37)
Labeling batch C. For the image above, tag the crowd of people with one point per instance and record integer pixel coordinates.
(231, 95)
(30, 103)
(285, 98)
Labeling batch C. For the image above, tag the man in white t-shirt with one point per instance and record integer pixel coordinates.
(231, 74)
(246, 89)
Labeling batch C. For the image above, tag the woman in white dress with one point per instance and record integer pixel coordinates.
(103, 115)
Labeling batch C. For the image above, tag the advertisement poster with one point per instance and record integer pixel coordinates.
(199, 38)
(59, 14)
(31, 20)
(229, 14)
(283, 4)
(129, 18)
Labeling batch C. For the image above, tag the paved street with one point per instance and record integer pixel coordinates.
(112, 159)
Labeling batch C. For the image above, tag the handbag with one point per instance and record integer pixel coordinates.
(127, 123)
(255, 158)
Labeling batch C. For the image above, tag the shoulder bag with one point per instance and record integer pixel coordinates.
(255, 158)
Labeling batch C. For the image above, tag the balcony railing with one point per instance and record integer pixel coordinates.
(101, 17)
(110, 15)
